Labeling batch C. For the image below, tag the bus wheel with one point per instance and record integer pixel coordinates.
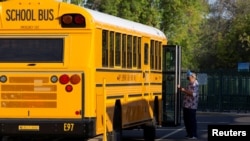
(116, 134)
(149, 131)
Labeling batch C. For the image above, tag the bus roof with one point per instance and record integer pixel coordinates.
(123, 23)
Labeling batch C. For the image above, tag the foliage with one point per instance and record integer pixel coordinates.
(226, 35)
(181, 23)
(212, 35)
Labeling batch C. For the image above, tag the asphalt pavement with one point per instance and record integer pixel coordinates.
(203, 120)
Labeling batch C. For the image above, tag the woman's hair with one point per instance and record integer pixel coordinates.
(193, 75)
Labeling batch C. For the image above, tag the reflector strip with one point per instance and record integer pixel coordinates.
(28, 104)
(29, 96)
(28, 79)
(22, 88)
(28, 127)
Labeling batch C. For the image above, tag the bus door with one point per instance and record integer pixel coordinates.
(171, 78)
(146, 69)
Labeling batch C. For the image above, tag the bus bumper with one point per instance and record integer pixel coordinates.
(74, 128)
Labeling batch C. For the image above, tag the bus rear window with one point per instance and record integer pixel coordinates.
(49, 50)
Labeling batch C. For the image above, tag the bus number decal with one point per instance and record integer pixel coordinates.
(29, 15)
(68, 127)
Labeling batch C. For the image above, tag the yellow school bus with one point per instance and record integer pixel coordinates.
(68, 70)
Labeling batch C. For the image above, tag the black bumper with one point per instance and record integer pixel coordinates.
(76, 128)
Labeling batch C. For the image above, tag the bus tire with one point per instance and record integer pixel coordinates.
(149, 131)
(116, 134)
(156, 111)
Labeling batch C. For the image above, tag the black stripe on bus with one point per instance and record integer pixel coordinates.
(124, 70)
(134, 95)
(156, 93)
(155, 83)
(117, 70)
(156, 72)
(115, 96)
(146, 94)
(120, 84)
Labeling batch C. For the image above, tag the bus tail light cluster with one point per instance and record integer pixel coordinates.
(68, 80)
(73, 20)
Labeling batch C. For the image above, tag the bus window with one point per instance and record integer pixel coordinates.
(124, 50)
(135, 51)
(152, 54)
(156, 55)
(111, 50)
(146, 54)
(160, 55)
(118, 49)
(129, 51)
(105, 48)
(31, 50)
(139, 52)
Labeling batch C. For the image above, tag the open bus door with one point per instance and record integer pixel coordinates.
(171, 96)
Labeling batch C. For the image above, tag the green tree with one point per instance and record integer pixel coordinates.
(225, 38)
(76, 2)
(142, 11)
(181, 22)
(239, 35)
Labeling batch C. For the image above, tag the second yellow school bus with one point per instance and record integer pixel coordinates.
(68, 70)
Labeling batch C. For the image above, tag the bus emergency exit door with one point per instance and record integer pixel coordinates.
(171, 97)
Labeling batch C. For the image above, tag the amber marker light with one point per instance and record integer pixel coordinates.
(75, 79)
(67, 19)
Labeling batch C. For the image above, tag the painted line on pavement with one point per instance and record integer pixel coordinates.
(171, 133)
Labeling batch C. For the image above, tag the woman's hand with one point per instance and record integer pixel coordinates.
(179, 87)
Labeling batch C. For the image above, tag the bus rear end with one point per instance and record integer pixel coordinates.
(39, 93)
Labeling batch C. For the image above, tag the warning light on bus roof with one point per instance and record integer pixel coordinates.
(73, 20)
(67, 19)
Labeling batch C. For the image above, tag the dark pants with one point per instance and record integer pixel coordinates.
(189, 117)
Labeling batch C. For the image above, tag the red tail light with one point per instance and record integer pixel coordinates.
(78, 112)
(69, 88)
(64, 79)
(79, 19)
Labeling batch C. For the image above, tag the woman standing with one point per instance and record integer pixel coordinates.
(190, 104)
